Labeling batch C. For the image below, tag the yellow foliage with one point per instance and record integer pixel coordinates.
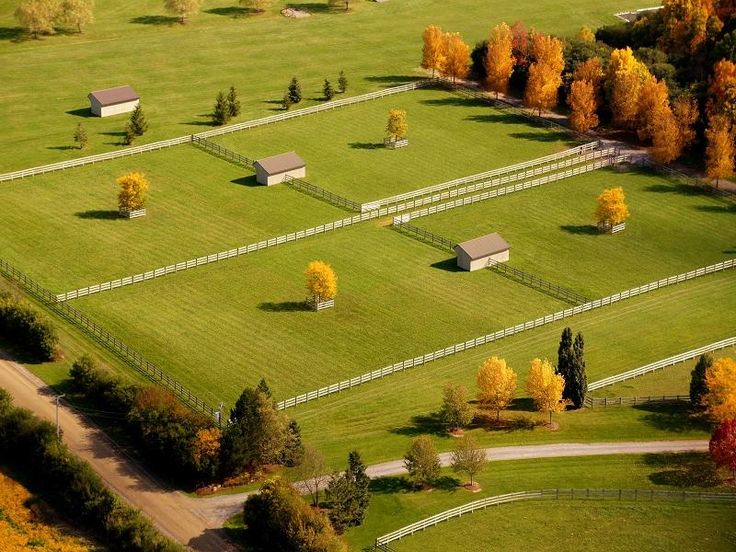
(667, 138)
(545, 74)
(653, 104)
(183, 8)
(133, 191)
(397, 126)
(499, 60)
(687, 23)
(207, 443)
(582, 102)
(545, 387)
(626, 76)
(612, 207)
(496, 384)
(321, 280)
(686, 113)
(585, 34)
(433, 53)
(720, 399)
(21, 528)
(719, 152)
(590, 70)
(457, 57)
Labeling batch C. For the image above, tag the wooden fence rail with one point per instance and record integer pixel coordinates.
(556, 494)
(120, 349)
(555, 290)
(665, 362)
(219, 151)
(500, 334)
(592, 402)
(320, 193)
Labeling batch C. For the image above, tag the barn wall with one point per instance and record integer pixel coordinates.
(117, 109)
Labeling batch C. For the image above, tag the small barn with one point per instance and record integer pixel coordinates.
(474, 254)
(113, 101)
(275, 169)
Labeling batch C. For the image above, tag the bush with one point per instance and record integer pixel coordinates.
(27, 328)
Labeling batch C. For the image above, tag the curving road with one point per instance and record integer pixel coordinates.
(196, 521)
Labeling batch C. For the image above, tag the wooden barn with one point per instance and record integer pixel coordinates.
(275, 169)
(113, 101)
(474, 254)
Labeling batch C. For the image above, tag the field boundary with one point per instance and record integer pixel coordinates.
(557, 494)
(216, 150)
(500, 334)
(130, 356)
(663, 363)
(592, 402)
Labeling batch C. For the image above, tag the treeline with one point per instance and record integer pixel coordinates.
(26, 328)
(29, 445)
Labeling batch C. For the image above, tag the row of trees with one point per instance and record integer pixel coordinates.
(423, 464)
(226, 107)
(294, 91)
(39, 17)
(136, 126)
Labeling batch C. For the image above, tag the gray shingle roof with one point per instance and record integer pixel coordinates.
(113, 96)
(483, 246)
(281, 163)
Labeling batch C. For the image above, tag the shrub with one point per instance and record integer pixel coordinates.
(25, 327)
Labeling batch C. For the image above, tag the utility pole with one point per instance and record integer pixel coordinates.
(58, 397)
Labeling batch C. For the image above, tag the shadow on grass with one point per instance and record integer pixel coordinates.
(14, 34)
(84, 112)
(313, 7)
(454, 101)
(580, 229)
(393, 79)
(155, 20)
(284, 306)
(674, 417)
(673, 188)
(249, 181)
(98, 215)
(366, 145)
(446, 483)
(716, 208)
(688, 469)
(448, 265)
(206, 122)
(423, 424)
(505, 118)
(231, 11)
(540, 136)
(62, 148)
(391, 485)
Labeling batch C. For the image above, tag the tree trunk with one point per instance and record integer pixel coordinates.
(550, 418)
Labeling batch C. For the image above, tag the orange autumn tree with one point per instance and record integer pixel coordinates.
(719, 151)
(545, 387)
(433, 52)
(611, 209)
(496, 385)
(653, 104)
(722, 90)
(686, 25)
(133, 191)
(625, 78)
(545, 74)
(499, 59)
(591, 70)
(583, 106)
(585, 35)
(720, 397)
(321, 281)
(520, 43)
(667, 142)
(686, 112)
(457, 57)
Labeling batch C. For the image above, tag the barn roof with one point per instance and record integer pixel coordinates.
(484, 246)
(113, 96)
(281, 163)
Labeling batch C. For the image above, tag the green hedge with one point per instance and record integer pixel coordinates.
(25, 327)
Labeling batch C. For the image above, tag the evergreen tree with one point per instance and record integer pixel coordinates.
(221, 113)
(80, 136)
(565, 357)
(264, 388)
(294, 448)
(342, 82)
(295, 91)
(349, 495)
(698, 387)
(233, 103)
(577, 386)
(286, 102)
(328, 91)
(129, 135)
(138, 123)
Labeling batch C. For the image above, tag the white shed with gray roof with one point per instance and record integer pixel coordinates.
(275, 169)
(474, 254)
(113, 101)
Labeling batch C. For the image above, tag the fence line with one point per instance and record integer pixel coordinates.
(217, 150)
(500, 334)
(557, 291)
(130, 356)
(424, 235)
(556, 494)
(687, 179)
(320, 193)
(524, 166)
(592, 402)
(663, 363)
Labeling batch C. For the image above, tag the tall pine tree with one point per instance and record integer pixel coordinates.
(564, 354)
(698, 387)
(577, 386)
(349, 495)
(221, 112)
(233, 103)
(138, 124)
(295, 91)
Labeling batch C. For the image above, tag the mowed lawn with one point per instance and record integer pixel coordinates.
(381, 418)
(178, 69)
(449, 137)
(673, 228)
(221, 327)
(62, 228)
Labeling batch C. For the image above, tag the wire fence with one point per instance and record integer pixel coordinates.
(500, 334)
(649, 495)
(217, 150)
(130, 356)
(665, 362)
(557, 291)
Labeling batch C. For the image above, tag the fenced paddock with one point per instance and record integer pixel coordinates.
(500, 334)
(592, 402)
(649, 495)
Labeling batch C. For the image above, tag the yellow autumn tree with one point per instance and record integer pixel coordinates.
(667, 139)
(585, 35)
(611, 209)
(686, 113)
(545, 387)
(654, 103)
(722, 90)
(545, 74)
(626, 76)
(397, 127)
(591, 70)
(457, 57)
(719, 151)
(499, 60)
(583, 105)
(183, 8)
(321, 281)
(686, 24)
(433, 52)
(133, 191)
(496, 385)
(720, 397)
(206, 444)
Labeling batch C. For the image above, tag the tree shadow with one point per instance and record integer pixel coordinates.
(62, 148)
(580, 229)
(312, 7)
(84, 112)
(455, 101)
(448, 265)
(674, 188)
(231, 11)
(155, 20)
(522, 404)
(716, 208)
(98, 215)
(207, 122)
(423, 424)
(685, 469)
(249, 181)
(446, 483)
(284, 306)
(113, 133)
(391, 485)
(366, 145)
(13, 34)
(540, 136)
(504, 118)
(673, 417)
(393, 79)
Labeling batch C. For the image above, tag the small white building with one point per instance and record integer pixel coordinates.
(113, 101)
(474, 254)
(273, 170)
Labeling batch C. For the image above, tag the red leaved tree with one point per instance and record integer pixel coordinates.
(723, 446)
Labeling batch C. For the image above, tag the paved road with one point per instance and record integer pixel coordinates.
(195, 522)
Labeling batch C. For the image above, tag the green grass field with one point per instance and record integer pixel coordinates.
(133, 43)
(381, 418)
(673, 228)
(449, 137)
(63, 229)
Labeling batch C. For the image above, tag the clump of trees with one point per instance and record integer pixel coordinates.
(41, 17)
(133, 192)
(445, 53)
(611, 208)
(545, 387)
(226, 107)
(571, 366)
(321, 281)
(26, 328)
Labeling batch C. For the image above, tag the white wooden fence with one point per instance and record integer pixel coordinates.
(524, 168)
(663, 363)
(556, 494)
(500, 334)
